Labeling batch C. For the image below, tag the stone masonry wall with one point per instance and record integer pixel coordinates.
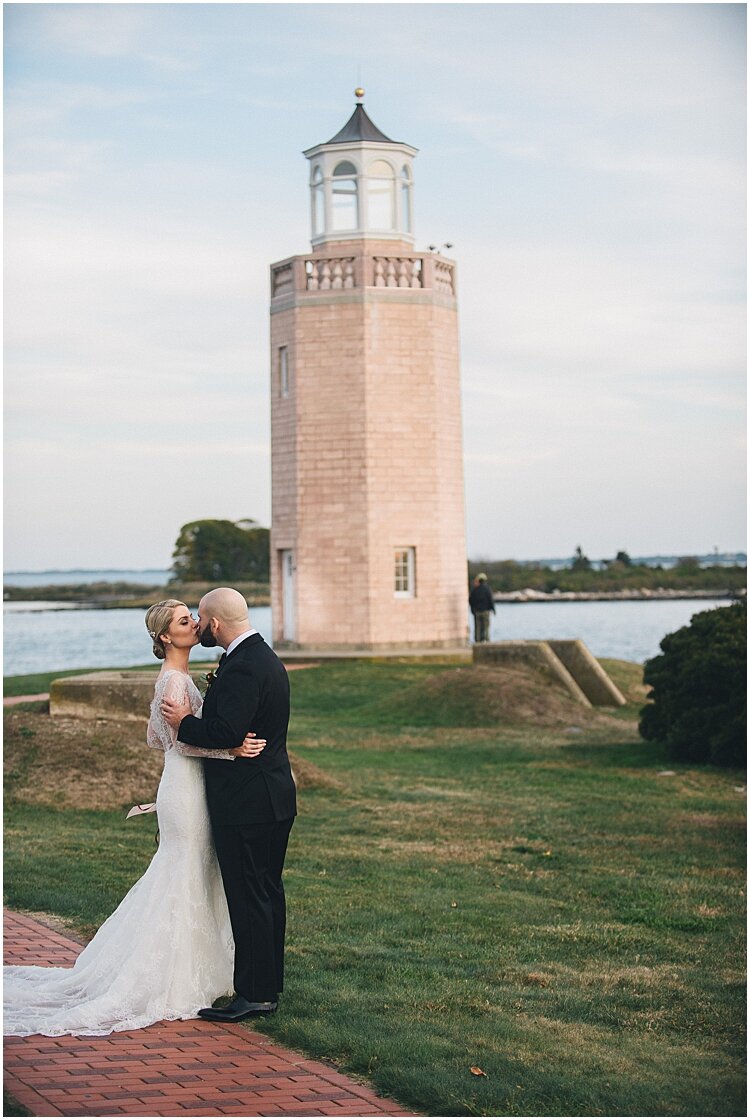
(367, 458)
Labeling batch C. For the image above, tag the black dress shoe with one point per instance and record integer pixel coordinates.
(239, 1008)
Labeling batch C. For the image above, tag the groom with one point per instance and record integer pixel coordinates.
(252, 802)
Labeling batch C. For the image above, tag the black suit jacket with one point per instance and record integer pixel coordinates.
(249, 693)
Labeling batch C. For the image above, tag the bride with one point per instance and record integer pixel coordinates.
(167, 950)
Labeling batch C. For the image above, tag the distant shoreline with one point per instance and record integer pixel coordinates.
(58, 600)
(119, 595)
(640, 595)
(628, 585)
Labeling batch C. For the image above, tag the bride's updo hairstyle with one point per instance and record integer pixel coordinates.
(158, 619)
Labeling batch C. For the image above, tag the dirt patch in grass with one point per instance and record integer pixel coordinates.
(83, 764)
(309, 776)
(56, 923)
(92, 764)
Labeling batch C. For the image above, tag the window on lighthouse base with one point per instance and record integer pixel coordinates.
(405, 573)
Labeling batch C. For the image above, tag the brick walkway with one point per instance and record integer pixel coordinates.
(190, 1068)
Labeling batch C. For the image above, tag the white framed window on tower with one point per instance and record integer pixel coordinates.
(404, 586)
(344, 202)
(284, 378)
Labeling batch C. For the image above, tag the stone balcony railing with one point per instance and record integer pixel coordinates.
(332, 274)
(329, 274)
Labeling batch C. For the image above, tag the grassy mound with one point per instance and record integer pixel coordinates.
(480, 696)
(99, 764)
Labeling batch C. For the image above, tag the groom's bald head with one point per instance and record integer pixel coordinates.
(226, 605)
(223, 614)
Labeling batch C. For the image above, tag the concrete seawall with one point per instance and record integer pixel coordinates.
(569, 663)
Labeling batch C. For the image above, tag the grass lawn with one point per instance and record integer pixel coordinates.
(482, 875)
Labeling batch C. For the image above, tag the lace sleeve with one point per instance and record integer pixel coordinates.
(179, 687)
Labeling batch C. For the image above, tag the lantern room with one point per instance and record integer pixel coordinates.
(361, 184)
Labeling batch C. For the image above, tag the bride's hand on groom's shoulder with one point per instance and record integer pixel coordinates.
(250, 747)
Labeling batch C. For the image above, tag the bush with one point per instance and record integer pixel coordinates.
(698, 700)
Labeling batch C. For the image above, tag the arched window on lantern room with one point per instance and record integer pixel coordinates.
(406, 217)
(381, 210)
(344, 208)
(318, 203)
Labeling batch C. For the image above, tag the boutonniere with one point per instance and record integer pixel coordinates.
(209, 678)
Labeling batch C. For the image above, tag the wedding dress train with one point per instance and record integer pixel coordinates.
(167, 950)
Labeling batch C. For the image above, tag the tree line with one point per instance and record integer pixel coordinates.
(618, 574)
(220, 551)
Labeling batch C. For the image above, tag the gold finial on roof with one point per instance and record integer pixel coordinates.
(359, 93)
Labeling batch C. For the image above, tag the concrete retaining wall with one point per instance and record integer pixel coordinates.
(588, 673)
(569, 663)
(107, 695)
(537, 654)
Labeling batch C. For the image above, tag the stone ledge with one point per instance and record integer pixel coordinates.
(114, 694)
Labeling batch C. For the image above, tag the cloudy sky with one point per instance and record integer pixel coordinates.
(587, 162)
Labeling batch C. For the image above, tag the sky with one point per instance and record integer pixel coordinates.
(587, 161)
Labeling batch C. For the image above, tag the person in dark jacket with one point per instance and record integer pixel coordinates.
(251, 804)
(482, 604)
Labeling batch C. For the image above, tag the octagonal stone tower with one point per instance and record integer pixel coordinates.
(368, 544)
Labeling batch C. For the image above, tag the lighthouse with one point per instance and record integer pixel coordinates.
(368, 548)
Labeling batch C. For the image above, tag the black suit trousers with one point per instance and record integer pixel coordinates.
(251, 858)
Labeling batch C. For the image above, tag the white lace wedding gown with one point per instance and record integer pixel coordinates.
(167, 950)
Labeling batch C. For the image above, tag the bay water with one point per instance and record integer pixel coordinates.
(43, 637)
(147, 577)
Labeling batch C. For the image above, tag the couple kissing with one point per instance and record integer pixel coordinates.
(208, 917)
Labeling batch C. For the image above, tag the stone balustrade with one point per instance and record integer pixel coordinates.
(445, 277)
(329, 273)
(332, 274)
(282, 279)
(397, 272)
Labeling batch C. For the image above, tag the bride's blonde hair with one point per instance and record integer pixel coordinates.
(158, 618)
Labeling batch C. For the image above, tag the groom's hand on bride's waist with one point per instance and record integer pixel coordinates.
(174, 712)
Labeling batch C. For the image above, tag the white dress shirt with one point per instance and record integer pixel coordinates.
(233, 645)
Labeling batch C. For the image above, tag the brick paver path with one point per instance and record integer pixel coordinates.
(190, 1068)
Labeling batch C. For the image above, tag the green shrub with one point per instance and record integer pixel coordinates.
(698, 700)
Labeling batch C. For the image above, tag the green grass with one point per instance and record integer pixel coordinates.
(542, 904)
(11, 1107)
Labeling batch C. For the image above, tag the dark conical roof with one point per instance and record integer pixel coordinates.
(360, 127)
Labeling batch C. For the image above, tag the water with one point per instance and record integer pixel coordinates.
(39, 638)
(37, 641)
(626, 629)
(149, 577)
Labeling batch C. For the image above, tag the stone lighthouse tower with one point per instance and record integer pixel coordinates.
(368, 544)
